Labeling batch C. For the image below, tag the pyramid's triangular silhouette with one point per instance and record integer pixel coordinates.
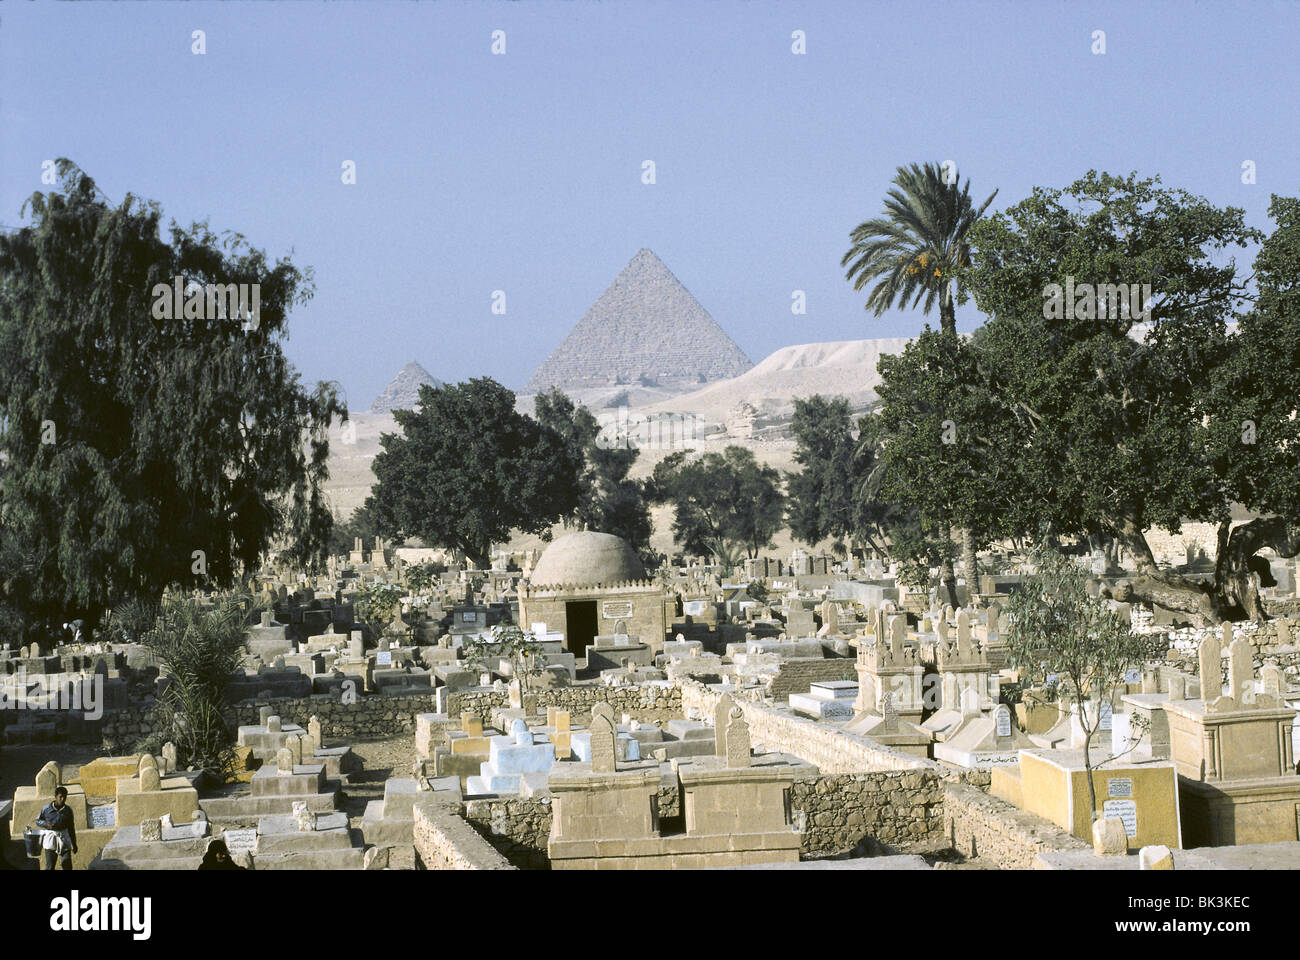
(403, 391)
(645, 324)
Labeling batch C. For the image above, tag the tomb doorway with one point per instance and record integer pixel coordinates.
(580, 625)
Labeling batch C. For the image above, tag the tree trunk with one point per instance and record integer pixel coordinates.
(1087, 761)
(479, 556)
(1233, 595)
(1233, 579)
(1162, 588)
(949, 581)
(970, 564)
(947, 311)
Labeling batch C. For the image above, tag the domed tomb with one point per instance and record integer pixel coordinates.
(587, 559)
(592, 588)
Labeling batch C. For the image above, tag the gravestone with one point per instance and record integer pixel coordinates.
(1002, 720)
(889, 712)
(1241, 671)
(1108, 837)
(602, 739)
(47, 780)
(737, 739)
(303, 818)
(151, 829)
(149, 779)
(284, 760)
(721, 715)
(1211, 669)
(273, 724)
(963, 634)
(948, 692)
(1273, 679)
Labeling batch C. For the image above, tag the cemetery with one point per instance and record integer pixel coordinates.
(840, 721)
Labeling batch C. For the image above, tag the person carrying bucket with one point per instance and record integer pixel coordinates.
(60, 837)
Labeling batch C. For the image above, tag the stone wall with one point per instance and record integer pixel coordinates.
(838, 814)
(979, 825)
(830, 749)
(367, 717)
(1263, 637)
(648, 702)
(843, 813)
(375, 716)
(798, 673)
(517, 829)
(444, 841)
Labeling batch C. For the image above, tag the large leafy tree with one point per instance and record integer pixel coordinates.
(723, 503)
(139, 452)
(467, 470)
(835, 494)
(608, 501)
(918, 251)
(1124, 423)
(938, 430)
(1253, 410)
(820, 499)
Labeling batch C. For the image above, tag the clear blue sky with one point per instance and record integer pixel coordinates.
(523, 172)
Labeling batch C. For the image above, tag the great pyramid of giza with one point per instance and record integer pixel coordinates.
(403, 392)
(645, 325)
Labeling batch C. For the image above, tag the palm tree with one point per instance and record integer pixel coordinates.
(917, 247)
(916, 251)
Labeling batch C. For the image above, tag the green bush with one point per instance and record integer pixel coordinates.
(199, 649)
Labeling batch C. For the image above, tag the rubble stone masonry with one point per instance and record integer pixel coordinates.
(979, 825)
(445, 841)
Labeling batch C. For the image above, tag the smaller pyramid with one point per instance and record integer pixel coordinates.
(403, 392)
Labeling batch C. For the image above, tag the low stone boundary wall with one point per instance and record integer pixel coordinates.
(367, 717)
(379, 716)
(444, 841)
(838, 813)
(660, 702)
(830, 749)
(979, 825)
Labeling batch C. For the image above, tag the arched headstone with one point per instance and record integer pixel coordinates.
(603, 735)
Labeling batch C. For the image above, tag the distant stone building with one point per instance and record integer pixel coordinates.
(740, 424)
